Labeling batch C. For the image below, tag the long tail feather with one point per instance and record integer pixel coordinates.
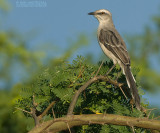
(132, 85)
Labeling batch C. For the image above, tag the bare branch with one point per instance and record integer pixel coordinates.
(81, 72)
(99, 68)
(23, 110)
(68, 128)
(33, 112)
(34, 103)
(123, 92)
(46, 110)
(156, 118)
(54, 116)
(36, 119)
(133, 129)
(150, 112)
(76, 120)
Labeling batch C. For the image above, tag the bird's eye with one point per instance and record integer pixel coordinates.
(102, 12)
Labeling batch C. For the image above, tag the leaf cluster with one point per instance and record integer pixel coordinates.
(59, 84)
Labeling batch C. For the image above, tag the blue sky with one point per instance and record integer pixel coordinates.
(66, 19)
(61, 20)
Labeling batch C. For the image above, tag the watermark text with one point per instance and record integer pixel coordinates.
(33, 3)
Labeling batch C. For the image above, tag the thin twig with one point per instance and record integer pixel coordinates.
(34, 103)
(156, 118)
(92, 73)
(69, 128)
(110, 69)
(123, 92)
(53, 114)
(133, 129)
(99, 68)
(150, 111)
(23, 110)
(81, 71)
(46, 110)
(80, 74)
(132, 102)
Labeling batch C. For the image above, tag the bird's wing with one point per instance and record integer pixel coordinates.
(114, 43)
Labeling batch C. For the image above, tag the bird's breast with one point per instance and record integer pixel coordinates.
(108, 53)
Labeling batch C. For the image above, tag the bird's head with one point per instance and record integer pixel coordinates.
(102, 15)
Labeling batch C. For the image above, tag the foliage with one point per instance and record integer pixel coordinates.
(59, 84)
(10, 122)
(4, 5)
(15, 54)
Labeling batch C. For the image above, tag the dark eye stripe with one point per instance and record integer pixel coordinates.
(100, 13)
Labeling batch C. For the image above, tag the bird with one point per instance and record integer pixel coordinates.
(115, 48)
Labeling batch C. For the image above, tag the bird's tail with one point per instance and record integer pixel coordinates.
(132, 85)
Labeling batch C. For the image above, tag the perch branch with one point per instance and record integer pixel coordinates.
(76, 120)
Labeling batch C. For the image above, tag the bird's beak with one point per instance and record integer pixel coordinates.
(91, 13)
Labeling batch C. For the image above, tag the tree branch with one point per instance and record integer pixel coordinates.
(76, 120)
(46, 110)
(82, 88)
(99, 68)
(23, 110)
(36, 119)
(33, 112)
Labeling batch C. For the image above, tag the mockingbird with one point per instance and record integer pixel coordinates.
(114, 47)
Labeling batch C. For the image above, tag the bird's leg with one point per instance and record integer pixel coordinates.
(110, 69)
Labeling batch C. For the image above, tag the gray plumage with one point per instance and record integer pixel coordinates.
(114, 47)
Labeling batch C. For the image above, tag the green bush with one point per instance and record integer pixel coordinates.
(59, 84)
